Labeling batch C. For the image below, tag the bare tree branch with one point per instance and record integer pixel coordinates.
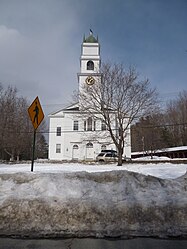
(118, 98)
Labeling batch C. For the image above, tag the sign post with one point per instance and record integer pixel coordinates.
(33, 150)
(36, 115)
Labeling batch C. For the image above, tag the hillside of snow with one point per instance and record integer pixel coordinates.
(113, 203)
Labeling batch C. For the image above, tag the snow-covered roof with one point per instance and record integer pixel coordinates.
(72, 107)
(179, 148)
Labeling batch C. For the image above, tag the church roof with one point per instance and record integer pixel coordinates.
(90, 38)
(73, 107)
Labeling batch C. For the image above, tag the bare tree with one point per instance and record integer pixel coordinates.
(16, 129)
(163, 130)
(14, 126)
(150, 134)
(118, 97)
(176, 119)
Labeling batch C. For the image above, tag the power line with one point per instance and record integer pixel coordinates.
(164, 125)
(98, 130)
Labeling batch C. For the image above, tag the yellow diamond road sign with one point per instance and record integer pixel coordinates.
(36, 113)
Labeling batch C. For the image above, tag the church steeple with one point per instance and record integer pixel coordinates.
(90, 38)
(89, 61)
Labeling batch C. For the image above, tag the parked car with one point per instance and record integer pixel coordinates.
(109, 151)
(107, 157)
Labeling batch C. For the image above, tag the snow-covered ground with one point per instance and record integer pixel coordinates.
(161, 170)
(73, 199)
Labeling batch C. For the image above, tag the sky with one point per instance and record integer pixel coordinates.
(40, 44)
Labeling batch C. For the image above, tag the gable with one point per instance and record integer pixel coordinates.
(73, 107)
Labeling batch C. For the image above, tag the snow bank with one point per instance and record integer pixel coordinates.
(99, 204)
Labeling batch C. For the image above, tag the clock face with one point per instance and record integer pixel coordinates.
(90, 80)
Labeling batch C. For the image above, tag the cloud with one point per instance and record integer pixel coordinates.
(43, 64)
(12, 46)
(40, 42)
(40, 45)
(6, 34)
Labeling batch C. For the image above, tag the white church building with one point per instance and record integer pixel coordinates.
(73, 136)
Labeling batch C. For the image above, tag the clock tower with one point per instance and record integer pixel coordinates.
(89, 62)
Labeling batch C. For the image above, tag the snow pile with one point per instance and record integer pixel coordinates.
(82, 204)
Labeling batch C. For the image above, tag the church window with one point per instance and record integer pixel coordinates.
(89, 145)
(94, 123)
(103, 147)
(103, 126)
(58, 131)
(89, 123)
(76, 125)
(85, 125)
(90, 65)
(58, 148)
(75, 146)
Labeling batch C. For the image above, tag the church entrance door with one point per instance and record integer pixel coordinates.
(89, 151)
(75, 152)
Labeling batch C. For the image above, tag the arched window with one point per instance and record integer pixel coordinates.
(103, 147)
(75, 146)
(89, 145)
(90, 65)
